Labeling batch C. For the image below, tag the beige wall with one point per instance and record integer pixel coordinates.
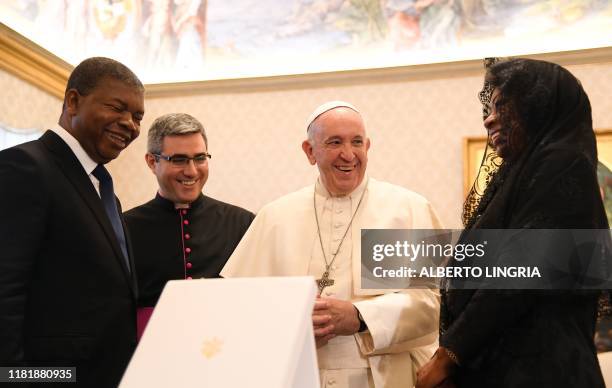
(416, 127)
(25, 106)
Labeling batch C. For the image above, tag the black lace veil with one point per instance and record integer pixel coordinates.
(490, 162)
(552, 182)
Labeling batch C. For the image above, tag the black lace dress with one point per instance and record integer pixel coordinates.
(529, 338)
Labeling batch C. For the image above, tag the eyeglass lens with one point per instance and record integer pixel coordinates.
(184, 160)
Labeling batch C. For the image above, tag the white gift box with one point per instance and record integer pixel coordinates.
(241, 332)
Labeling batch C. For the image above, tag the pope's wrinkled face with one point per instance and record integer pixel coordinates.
(181, 184)
(339, 147)
(107, 119)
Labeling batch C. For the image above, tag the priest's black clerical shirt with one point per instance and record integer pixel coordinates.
(191, 243)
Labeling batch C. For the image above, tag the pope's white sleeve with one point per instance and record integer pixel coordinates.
(398, 322)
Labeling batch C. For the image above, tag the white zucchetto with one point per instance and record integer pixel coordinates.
(327, 107)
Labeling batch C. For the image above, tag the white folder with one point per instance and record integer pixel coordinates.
(217, 333)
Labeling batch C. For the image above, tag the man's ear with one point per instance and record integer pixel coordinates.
(368, 144)
(150, 159)
(71, 101)
(307, 148)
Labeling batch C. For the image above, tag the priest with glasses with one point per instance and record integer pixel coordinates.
(181, 233)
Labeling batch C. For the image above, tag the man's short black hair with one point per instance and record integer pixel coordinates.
(86, 76)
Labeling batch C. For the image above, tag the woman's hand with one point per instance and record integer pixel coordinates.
(436, 373)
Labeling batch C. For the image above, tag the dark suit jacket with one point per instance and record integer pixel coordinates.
(66, 296)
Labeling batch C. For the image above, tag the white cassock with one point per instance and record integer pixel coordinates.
(402, 326)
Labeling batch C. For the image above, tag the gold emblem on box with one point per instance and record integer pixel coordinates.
(211, 347)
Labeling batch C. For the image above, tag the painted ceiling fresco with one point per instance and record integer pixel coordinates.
(178, 40)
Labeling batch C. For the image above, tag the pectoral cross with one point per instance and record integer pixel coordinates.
(324, 282)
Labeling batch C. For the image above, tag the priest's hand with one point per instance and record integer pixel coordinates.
(343, 318)
(436, 373)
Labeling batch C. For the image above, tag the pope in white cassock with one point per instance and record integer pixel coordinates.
(365, 338)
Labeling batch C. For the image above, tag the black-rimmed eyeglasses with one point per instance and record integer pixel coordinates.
(183, 160)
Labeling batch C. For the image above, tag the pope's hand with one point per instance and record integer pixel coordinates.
(323, 328)
(334, 316)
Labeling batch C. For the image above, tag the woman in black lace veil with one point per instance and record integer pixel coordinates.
(539, 122)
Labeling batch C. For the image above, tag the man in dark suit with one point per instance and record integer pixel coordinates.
(67, 281)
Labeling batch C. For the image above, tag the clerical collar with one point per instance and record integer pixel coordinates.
(167, 204)
(320, 189)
